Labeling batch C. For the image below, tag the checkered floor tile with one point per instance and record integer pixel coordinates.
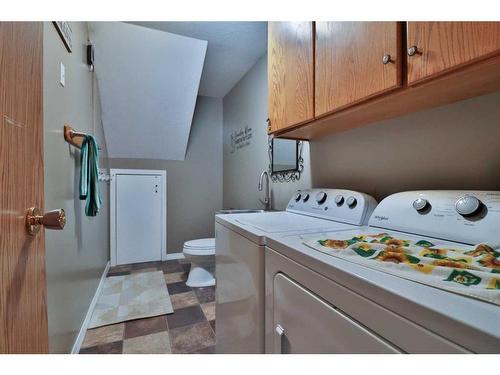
(190, 329)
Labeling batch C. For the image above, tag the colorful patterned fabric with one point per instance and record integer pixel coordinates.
(473, 271)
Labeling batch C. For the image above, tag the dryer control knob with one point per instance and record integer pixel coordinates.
(420, 204)
(339, 199)
(351, 201)
(297, 197)
(305, 197)
(321, 197)
(467, 205)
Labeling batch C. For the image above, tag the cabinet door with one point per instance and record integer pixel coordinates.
(350, 63)
(443, 46)
(290, 74)
(304, 323)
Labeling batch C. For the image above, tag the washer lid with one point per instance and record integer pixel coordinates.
(202, 243)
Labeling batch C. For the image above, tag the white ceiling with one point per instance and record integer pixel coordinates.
(233, 48)
(148, 83)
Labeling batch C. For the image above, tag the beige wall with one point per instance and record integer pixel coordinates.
(451, 147)
(76, 256)
(246, 105)
(194, 185)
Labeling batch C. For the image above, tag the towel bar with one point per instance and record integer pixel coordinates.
(73, 137)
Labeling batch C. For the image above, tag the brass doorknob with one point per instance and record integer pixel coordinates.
(55, 219)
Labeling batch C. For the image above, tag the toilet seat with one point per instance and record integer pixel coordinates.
(203, 246)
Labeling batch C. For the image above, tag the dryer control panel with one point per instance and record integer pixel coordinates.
(341, 205)
(469, 217)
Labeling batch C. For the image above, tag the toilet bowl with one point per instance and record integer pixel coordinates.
(200, 253)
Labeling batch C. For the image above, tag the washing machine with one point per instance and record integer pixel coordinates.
(422, 277)
(240, 251)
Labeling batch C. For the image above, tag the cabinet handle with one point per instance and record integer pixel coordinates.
(413, 50)
(280, 331)
(386, 59)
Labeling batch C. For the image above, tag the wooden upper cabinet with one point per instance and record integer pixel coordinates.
(290, 74)
(350, 62)
(443, 46)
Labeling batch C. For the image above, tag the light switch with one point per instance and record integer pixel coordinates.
(62, 75)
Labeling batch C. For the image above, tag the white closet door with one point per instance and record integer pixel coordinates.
(138, 218)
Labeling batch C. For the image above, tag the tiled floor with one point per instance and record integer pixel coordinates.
(190, 329)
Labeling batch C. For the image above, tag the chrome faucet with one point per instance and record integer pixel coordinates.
(267, 200)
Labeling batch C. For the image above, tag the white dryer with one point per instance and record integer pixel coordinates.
(362, 290)
(240, 250)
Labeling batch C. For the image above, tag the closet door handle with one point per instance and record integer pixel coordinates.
(280, 331)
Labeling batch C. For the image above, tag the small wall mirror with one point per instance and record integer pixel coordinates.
(285, 152)
(285, 157)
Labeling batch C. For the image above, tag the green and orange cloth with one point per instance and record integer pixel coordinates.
(472, 271)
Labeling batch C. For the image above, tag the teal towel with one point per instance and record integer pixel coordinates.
(89, 176)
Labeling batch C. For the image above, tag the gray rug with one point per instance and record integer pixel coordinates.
(130, 297)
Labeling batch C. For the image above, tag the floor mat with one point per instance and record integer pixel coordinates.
(129, 297)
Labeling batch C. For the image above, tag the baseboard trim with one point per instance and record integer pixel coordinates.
(173, 256)
(83, 329)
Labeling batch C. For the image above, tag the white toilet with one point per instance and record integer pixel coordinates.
(200, 253)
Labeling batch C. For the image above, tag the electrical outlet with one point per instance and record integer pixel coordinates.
(62, 75)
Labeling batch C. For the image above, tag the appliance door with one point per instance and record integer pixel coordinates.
(304, 323)
(239, 305)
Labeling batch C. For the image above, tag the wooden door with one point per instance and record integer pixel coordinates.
(23, 311)
(355, 61)
(290, 74)
(443, 46)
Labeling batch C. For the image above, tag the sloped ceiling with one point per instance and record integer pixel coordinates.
(233, 48)
(148, 83)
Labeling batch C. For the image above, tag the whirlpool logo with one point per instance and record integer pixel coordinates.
(381, 218)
